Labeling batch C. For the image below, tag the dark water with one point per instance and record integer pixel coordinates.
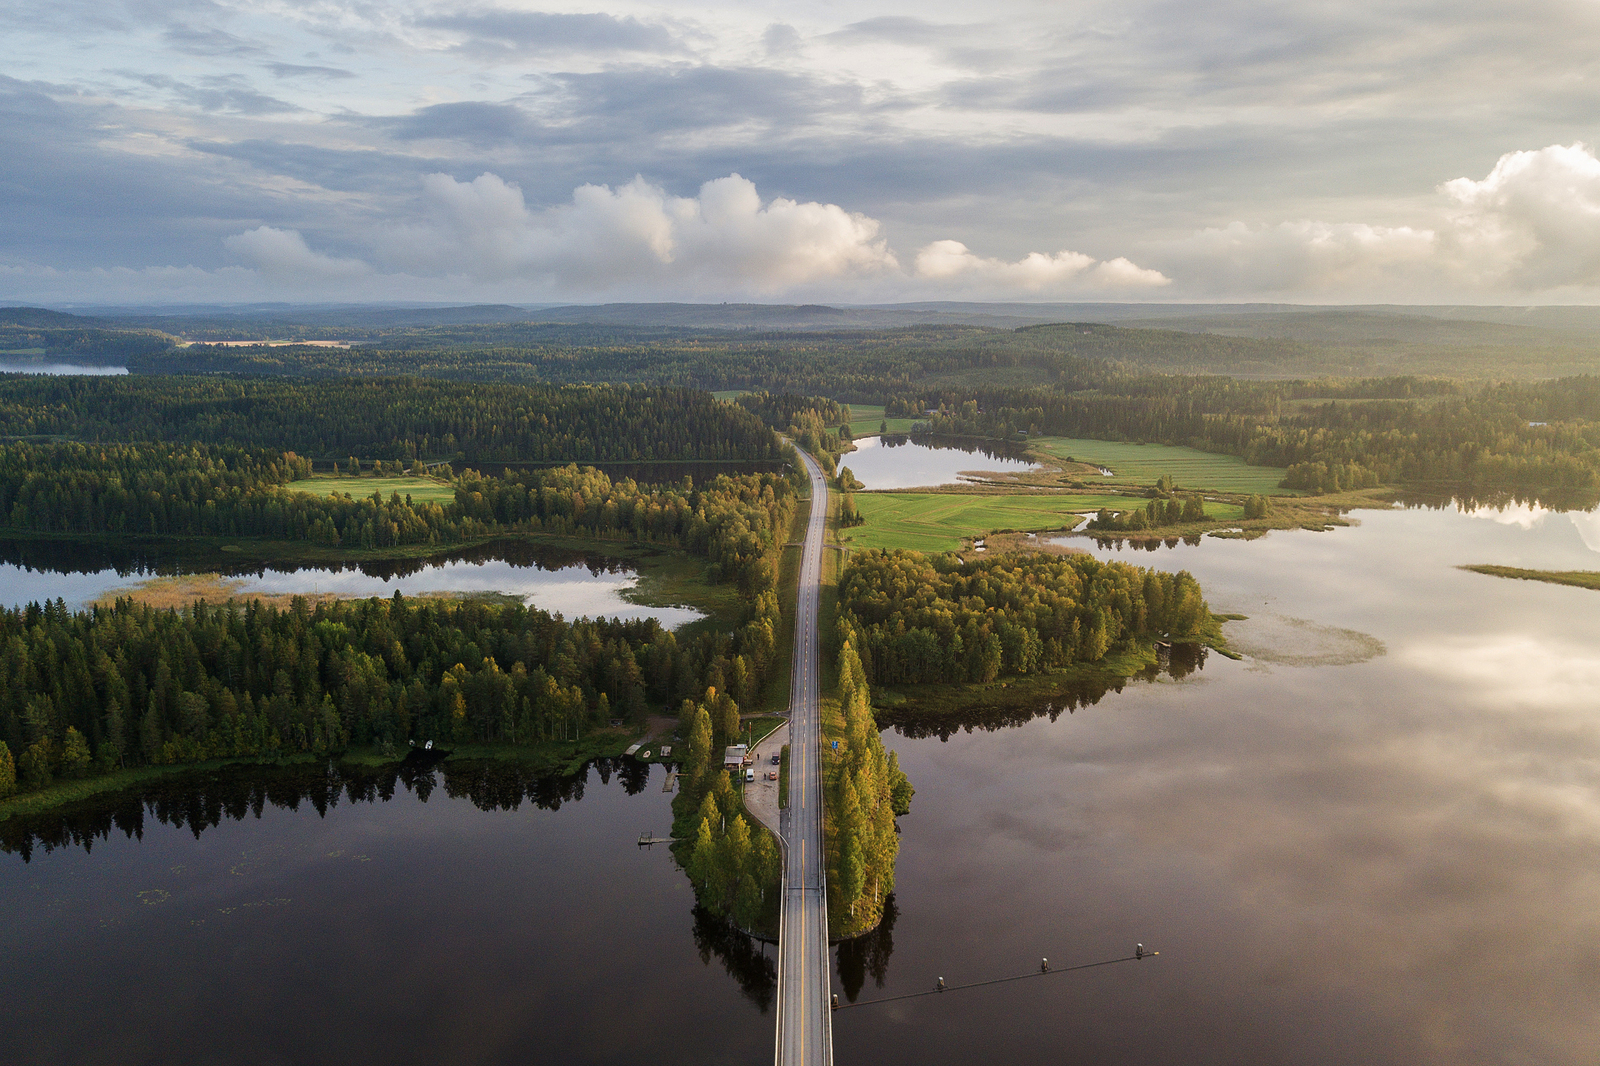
(499, 921)
(1372, 841)
(575, 583)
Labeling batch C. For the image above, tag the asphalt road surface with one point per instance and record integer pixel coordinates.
(805, 1018)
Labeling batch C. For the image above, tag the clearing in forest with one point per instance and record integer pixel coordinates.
(421, 489)
(1191, 468)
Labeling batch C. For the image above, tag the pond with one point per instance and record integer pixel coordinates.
(895, 462)
(576, 585)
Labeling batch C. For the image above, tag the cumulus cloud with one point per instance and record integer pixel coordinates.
(283, 254)
(952, 261)
(1534, 222)
(1302, 255)
(725, 238)
(1532, 225)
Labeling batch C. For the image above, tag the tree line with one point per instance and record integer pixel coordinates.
(1357, 434)
(923, 619)
(222, 491)
(866, 791)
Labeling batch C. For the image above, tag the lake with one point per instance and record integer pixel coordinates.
(894, 462)
(576, 585)
(29, 366)
(1373, 840)
(1372, 843)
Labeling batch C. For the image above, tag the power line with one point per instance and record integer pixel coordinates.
(1044, 970)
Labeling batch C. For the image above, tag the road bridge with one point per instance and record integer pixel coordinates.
(805, 1020)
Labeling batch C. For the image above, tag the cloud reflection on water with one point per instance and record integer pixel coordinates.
(1386, 862)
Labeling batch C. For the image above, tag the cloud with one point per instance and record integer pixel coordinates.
(1534, 222)
(299, 70)
(282, 254)
(726, 238)
(501, 30)
(781, 39)
(472, 122)
(1531, 225)
(951, 261)
(207, 42)
(220, 92)
(1301, 255)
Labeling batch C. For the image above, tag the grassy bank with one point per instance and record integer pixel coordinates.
(1583, 579)
(937, 522)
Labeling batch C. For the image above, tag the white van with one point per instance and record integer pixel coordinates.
(749, 775)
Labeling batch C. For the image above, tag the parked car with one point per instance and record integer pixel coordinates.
(776, 759)
(772, 775)
(749, 775)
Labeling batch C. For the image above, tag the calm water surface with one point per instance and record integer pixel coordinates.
(577, 586)
(1374, 842)
(895, 463)
(26, 366)
(1386, 861)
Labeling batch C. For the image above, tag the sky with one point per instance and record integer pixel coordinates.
(216, 151)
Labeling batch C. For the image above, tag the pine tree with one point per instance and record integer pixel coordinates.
(8, 771)
(74, 754)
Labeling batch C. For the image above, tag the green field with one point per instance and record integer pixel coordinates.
(865, 420)
(1189, 467)
(421, 489)
(934, 522)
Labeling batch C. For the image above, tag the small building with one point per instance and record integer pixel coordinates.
(735, 756)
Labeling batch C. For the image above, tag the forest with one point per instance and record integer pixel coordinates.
(221, 682)
(390, 418)
(928, 619)
(866, 791)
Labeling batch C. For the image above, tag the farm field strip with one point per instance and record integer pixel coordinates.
(1191, 468)
(937, 522)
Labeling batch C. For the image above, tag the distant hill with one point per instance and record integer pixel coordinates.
(1345, 326)
(43, 318)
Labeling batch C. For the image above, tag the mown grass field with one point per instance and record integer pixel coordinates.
(1191, 468)
(933, 522)
(865, 420)
(422, 489)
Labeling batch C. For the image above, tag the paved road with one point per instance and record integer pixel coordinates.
(805, 1018)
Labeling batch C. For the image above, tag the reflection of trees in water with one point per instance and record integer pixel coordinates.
(1149, 544)
(1473, 499)
(989, 449)
(741, 955)
(1079, 690)
(87, 557)
(201, 800)
(868, 954)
